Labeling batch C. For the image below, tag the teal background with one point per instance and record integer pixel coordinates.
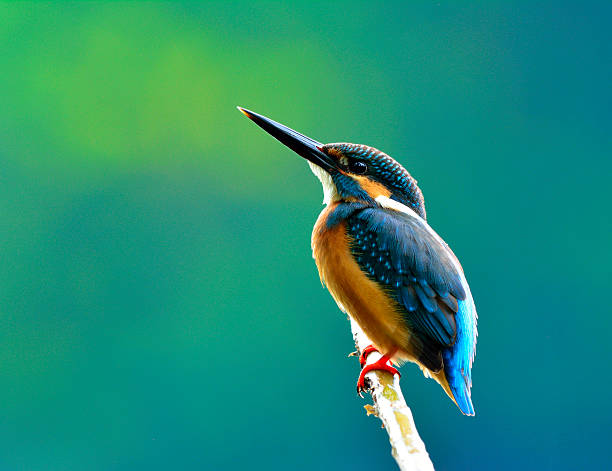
(159, 307)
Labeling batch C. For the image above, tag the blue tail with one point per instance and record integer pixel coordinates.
(458, 358)
(461, 391)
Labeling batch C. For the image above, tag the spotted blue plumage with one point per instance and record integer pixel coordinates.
(399, 252)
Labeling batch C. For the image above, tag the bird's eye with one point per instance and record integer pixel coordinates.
(358, 167)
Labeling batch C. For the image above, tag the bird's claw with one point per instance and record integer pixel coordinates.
(365, 353)
(381, 364)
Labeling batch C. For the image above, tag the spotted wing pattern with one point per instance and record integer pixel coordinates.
(416, 268)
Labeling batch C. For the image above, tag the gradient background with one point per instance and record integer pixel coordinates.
(159, 307)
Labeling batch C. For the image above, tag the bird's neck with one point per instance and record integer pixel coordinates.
(366, 190)
(413, 198)
(339, 188)
(339, 211)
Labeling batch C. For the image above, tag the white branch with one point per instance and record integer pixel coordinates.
(389, 405)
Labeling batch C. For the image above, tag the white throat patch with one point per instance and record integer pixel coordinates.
(330, 193)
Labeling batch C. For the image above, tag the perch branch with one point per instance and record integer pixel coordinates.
(390, 407)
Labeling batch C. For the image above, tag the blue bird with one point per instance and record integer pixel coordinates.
(385, 266)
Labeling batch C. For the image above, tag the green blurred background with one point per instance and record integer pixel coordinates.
(159, 307)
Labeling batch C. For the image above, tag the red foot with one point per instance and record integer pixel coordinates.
(365, 353)
(382, 364)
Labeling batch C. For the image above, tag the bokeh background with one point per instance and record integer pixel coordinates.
(159, 307)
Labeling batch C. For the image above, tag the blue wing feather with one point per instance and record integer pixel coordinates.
(399, 251)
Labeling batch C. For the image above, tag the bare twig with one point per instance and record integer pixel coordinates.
(390, 407)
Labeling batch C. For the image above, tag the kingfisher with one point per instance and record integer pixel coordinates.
(385, 266)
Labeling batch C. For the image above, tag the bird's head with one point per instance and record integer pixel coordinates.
(349, 172)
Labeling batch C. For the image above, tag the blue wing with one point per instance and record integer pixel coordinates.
(402, 253)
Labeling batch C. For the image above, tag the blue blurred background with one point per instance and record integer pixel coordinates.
(159, 307)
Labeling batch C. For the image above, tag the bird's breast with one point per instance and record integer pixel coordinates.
(355, 293)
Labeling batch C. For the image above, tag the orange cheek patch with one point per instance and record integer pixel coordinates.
(372, 188)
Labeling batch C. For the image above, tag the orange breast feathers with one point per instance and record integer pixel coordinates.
(356, 294)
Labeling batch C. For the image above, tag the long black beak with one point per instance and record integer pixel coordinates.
(302, 145)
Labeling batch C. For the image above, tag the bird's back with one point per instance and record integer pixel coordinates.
(403, 285)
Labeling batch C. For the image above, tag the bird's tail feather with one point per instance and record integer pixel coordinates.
(459, 383)
(461, 394)
(457, 389)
